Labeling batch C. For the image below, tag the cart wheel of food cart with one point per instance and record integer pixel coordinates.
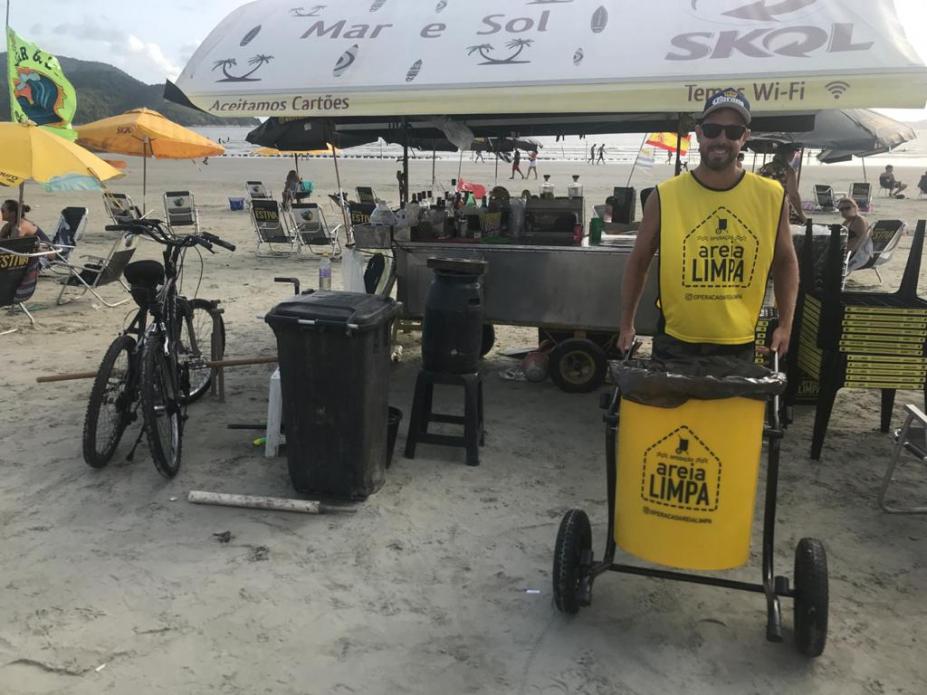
(572, 559)
(811, 597)
(489, 339)
(578, 365)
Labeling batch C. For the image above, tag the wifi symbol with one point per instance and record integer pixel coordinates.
(837, 88)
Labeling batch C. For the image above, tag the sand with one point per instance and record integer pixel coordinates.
(440, 583)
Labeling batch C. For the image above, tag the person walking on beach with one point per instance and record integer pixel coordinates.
(516, 164)
(601, 154)
(533, 163)
(720, 232)
(780, 169)
(592, 156)
(478, 156)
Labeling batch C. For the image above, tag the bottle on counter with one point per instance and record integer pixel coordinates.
(325, 273)
(575, 189)
(547, 188)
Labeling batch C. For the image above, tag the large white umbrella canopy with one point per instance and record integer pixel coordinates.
(420, 57)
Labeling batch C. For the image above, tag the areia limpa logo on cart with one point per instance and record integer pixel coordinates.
(229, 66)
(682, 472)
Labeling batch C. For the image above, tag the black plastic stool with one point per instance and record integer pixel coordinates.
(472, 419)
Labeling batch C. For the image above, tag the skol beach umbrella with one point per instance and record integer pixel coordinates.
(29, 153)
(146, 133)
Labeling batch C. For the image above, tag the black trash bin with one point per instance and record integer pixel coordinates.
(334, 356)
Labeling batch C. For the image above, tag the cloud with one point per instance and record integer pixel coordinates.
(120, 44)
(35, 30)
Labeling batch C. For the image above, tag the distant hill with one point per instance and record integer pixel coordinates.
(104, 90)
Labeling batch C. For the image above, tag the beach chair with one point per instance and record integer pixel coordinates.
(862, 194)
(19, 269)
(885, 186)
(885, 237)
(120, 207)
(824, 198)
(70, 230)
(180, 212)
(272, 229)
(312, 230)
(256, 190)
(911, 438)
(366, 195)
(99, 271)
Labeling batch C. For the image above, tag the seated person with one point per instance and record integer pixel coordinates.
(12, 219)
(922, 184)
(291, 187)
(888, 181)
(859, 240)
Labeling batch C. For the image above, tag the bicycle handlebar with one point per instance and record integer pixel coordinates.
(152, 228)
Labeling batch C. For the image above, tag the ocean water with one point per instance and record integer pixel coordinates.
(618, 149)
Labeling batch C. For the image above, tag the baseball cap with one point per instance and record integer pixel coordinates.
(728, 98)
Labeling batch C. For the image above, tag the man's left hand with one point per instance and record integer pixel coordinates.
(780, 341)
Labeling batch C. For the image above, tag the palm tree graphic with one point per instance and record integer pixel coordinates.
(256, 62)
(518, 45)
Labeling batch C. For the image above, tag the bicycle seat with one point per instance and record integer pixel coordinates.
(147, 274)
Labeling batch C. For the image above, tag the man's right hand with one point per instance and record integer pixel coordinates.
(626, 340)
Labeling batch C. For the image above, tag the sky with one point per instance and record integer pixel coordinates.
(153, 39)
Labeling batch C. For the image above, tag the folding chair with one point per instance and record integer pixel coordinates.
(824, 198)
(862, 194)
(100, 271)
(70, 230)
(180, 212)
(256, 190)
(911, 438)
(19, 266)
(885, 236)
(366, 195)
(272, 229)
(312, 228)
(120, 207)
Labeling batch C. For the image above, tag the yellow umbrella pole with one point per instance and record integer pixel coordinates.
(145, 176)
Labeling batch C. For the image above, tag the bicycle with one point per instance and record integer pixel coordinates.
(156, 362)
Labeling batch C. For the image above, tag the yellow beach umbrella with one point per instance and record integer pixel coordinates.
(29, 153)
(146, 133)
(274, 152)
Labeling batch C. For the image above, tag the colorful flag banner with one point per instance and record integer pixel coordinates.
(645, 158)
(667, 141)
(39, 91)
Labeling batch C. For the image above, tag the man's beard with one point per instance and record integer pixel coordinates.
(714, 162)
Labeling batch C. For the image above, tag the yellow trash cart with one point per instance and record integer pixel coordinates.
(682, 463)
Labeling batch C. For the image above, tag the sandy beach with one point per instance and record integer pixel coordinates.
(440, 583)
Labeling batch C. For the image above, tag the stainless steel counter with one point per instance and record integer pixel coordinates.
(567, 287)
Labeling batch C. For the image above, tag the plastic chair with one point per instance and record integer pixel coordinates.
(911, 438)
(180, 212)
(272, 229)
(99, 271)
(312, 230)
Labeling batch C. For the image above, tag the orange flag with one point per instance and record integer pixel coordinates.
(667, 141)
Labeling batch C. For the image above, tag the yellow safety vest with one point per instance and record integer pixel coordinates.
(716, 249)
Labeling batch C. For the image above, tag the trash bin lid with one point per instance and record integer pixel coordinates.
(326, 308)
(463, 266)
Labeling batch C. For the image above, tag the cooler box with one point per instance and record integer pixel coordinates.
(236, 203)
(334, 356)
(689, 440)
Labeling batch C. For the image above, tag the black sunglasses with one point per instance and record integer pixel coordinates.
(733, 132)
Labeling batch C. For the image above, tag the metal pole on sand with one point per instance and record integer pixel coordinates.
(348, 233)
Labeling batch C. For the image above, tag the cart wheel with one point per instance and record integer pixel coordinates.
(578, 365)
(571, 553)
(810, 597)
(489, 339)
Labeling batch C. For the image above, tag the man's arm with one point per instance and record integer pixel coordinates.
(635, 270)
(791, 186)
(785, 283)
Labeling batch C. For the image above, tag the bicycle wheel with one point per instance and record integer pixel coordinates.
(194, 348)
(111, 399)
(161, 408)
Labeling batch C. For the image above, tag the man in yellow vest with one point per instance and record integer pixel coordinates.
(720, 231)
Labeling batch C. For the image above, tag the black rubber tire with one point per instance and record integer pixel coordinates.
(200, 377)
(489, 339)
(811, 597)
(578, 365)
(162, 410)
(573, 539)
(109, 397)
